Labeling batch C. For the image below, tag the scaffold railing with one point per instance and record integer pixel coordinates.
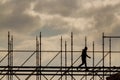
(63, 71)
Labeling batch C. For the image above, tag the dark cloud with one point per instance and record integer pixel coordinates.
(13, 16)
(60, 7)
(104, 15)
(106, 18)
(102, 10)
(19, 22)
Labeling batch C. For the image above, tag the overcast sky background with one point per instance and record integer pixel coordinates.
(56, 18)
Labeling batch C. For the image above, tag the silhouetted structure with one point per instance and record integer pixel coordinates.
(114, 77)
(67, 63)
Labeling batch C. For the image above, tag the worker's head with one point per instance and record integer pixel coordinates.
(85, 48)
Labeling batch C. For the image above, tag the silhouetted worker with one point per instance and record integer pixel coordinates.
(83, 57)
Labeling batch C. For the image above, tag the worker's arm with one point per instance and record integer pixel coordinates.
(88, 56)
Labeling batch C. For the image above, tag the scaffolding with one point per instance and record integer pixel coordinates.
(63, 71)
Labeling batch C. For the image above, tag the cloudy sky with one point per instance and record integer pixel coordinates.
(56, 18)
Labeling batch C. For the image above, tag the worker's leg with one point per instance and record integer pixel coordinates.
(81, 64)
(86, 65)
(82, 59)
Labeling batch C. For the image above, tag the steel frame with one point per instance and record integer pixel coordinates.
(64, 70)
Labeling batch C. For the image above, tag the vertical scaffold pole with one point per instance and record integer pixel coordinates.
(86, 46)
(65, 58)
(93, 60)
(8, 54)
(103, 53)
(40, 55)
(37, 57)
(72, 55)
(11, 57)
(85, 41)
(61, 58)
(110, 54)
